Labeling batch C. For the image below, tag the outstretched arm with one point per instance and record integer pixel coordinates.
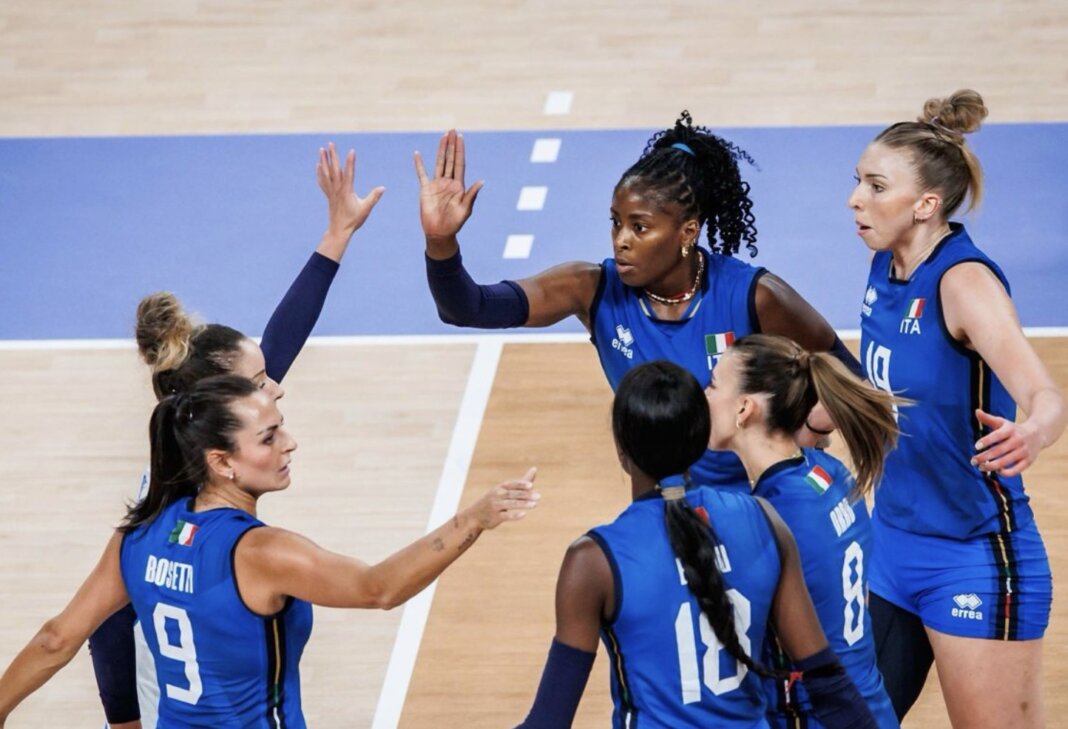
(584, 597)
(271, 564)
(295, 316)
(59, 639)
(445, 204)
(979, 313)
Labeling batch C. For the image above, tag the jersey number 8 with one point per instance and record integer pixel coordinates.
(185, 651)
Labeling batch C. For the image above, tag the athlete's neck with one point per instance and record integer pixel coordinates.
(640, 483)
(225, 495)
(924, 238)
(760, 451)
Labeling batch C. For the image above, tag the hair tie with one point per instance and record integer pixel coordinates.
(672, 493)
(952, 133)
(684, 148)
(802, 358)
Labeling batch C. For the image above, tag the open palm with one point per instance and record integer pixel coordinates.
(444, 203)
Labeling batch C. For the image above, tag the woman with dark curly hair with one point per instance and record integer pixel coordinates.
(660, 295)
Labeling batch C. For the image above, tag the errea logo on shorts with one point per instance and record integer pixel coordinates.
(967, 607)
(623, 340)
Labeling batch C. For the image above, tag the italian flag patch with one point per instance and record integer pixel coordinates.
(915, 309)
(716, 344)
(183, 533)
(818, 479)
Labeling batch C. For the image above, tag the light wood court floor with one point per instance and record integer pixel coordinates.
(375, 423)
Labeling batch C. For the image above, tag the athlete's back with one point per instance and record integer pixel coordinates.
(218, 663)
(668, 669)
(834, 540)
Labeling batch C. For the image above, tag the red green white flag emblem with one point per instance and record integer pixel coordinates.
(915, 309)
(183, 533)
(818, 479)
(716, 344)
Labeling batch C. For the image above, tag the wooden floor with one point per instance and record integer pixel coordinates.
(376, 422)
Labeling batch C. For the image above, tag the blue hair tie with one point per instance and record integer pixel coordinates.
(683, 147)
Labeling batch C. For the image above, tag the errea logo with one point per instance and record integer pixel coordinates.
(967, 607)
(870, 297)
(623, 340)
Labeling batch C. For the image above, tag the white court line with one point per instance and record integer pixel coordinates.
(558, 102)
(532, 197)
(450, 488)
(407, 340)
(517, 246)
(545, 150)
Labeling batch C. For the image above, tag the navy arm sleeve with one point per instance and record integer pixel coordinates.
(463, 302)
(564, 679)
(292, 321)
(113, 652)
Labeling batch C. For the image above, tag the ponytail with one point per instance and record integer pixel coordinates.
(864, 416)
(694, 541)
(661, 422)
(183, 427)
(795, 380)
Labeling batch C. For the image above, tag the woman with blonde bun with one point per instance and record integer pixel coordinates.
(180, 353)
(959, 573)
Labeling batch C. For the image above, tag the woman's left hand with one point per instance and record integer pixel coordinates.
(817, 429)
(1009, 448)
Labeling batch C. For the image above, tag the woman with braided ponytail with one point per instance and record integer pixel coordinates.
(682, 587)
(959, 573)
(761, 390)
(661, 295)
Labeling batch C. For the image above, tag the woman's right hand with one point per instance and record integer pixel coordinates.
(444, 203)
(508, 501)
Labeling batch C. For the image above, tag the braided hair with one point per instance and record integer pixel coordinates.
(705, 184)
(660, 420)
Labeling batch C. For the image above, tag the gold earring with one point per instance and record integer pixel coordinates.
(685, 251)
(231, 475)
(738, 423)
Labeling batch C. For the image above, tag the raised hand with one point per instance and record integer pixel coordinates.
(347, 210)
(444, 203)
(507, 501)
(1008, 448)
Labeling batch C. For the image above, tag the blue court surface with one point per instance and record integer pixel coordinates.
(90, 225)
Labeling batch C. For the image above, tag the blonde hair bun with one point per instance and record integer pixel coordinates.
(164, 331)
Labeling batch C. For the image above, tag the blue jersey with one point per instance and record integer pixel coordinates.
(626, 334)
(834, 536)
(668, 670)
(930, 486)
(218, 663)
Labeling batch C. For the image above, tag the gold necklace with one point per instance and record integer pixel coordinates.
(686, 295)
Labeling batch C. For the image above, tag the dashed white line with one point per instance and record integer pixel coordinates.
(558, 102)
(532, 198)
(545, 150)
(518, 246)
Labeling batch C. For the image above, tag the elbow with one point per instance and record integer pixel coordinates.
(55, 642)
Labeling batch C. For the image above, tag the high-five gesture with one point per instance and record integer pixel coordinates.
(444, 202)
(347, 210)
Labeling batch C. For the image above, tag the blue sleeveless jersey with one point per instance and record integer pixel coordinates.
(930, 486)
(667, 668)
(834, 539)
(626, 333)
(218, 664)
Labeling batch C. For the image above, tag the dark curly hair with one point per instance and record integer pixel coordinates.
(706, 184)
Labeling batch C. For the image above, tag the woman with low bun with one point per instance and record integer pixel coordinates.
(960, 573)
(180, 352)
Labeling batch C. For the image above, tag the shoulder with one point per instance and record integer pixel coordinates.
(586, 567)
(273, 549)
(972, 279)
